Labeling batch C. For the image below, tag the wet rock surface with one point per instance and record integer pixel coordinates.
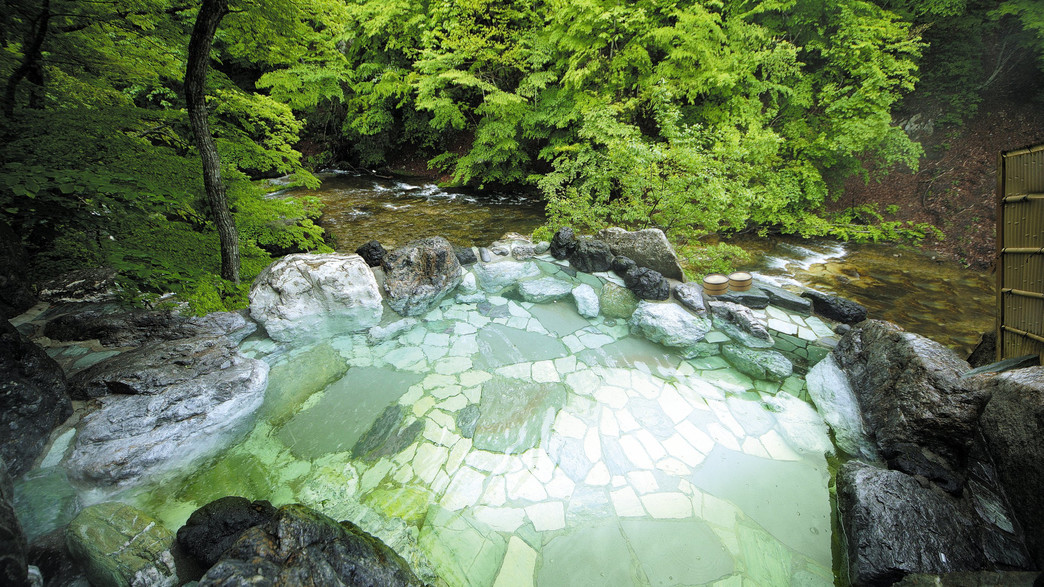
(760, 364)
(213, 528)
(82, 286)
(1013, 425)
(120, 327)
(739, 323)
(33, 399)
(120, 545)
(690, 295)
(314, 296)
(299, 546)
(648, 248)
(13, 546)
(563, 243)
(835, 307)
(372, 252)
(668, 324)
(922, 413)
(187, 395)
(590, 255)
(647, 284)
(419, 275)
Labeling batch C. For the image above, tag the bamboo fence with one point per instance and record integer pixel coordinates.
(1020, 253)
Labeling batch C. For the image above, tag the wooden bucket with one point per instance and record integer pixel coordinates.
(715, 284)
(740, 281)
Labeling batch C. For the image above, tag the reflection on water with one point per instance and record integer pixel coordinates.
(928, 296)
(358, 209)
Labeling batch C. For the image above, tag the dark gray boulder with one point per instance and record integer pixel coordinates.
(16, 292)
(465, 255)
(1013, 426)
(372, 252)
(213, 528)
(740, 324)
(835, 307)
(922, 414)
(985, 351)
(690, 295)
(752, 298)
(895, 525)
(563, 243)
(786, 300)
(299, 546)
(122, 327)
(648, 248)
(591, 255)
(647, 284)
(34, 399)
(621, 265)
(419, 275)
(972, 579)
(170, 402)
(13, 547)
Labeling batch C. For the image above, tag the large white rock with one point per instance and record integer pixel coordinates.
(315, 296)
(830, 390)
(668, 324)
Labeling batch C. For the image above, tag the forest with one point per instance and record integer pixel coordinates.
(700, 117)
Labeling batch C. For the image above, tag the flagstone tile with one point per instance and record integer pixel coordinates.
(599, 475)
(547, 516)
(667, 505)
(626, 503)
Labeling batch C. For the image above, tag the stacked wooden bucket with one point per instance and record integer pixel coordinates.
(716, 284)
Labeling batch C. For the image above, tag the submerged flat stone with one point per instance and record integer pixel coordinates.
(515, 415)
(544, 289)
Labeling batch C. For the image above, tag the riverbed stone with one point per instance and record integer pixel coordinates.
(201, 389)
(515, 415)
(1013, 425)
(211, 529)
(121, 545)
(912, 396)
(315, 296)
(668, 324)
(544, 289)
(760, 364)
(299, 546)
(591, 256)
(419, 275)
(647, 284)
(617, 302)
(496, 277)
(33, 399)
(740, 324)
(648, 248)
(835, 307)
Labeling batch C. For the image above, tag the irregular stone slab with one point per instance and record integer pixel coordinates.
(544, 289)
(740, 324)
(464, 551)
(315, 296)
(496, 277)
(419, 275)
(516, 415)
(835, 307)
(120, 545)
(591, 256)
(13, 546)
(768, 365)
(830, 390)
(691, 296)
(786, 300)
(213, 528)
(647, 284)
(648, 248)
(386, 437)
(586, 301)
(563, 243)
(33, 399)
(922, 413)
(119, 327)
(668, 324)
(502, 345)
(1013, 425)
(299, 546)
(372, 252)
(187, 416)
(895, 526)
(617, 302)
(669, 562)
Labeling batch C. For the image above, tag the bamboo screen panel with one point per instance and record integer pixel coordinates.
(1020, 246)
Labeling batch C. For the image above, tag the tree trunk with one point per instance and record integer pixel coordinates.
(210, 15)
(30, 66)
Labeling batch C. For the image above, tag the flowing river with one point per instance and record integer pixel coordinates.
(496, 442)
